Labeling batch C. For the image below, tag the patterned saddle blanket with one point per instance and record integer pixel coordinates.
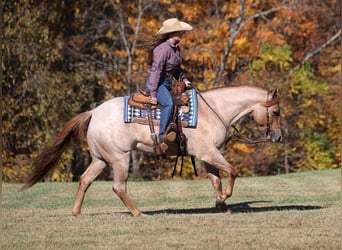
(187, 116)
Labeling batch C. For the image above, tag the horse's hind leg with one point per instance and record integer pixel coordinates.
(94, 169)
(120, 174)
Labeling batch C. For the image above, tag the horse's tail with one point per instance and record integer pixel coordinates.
(45, 161)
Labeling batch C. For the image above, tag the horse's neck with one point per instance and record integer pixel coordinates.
(232, 103)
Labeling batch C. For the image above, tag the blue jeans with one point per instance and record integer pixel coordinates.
(165, 99)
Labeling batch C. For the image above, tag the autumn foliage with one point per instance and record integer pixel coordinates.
(60, 58)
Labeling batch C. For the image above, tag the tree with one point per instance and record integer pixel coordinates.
(89, 51)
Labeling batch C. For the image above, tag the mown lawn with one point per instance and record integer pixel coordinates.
(295, 211)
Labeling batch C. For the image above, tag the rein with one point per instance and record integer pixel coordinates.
(244, 139)
(211, 108)
(239, 136)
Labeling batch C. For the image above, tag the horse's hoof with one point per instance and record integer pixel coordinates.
(221, 205)
(76, 213)
(140, 215)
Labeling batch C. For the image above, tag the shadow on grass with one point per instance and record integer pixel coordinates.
(244, 207)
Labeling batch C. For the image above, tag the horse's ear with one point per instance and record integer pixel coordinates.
(274, 93)
(274, 98)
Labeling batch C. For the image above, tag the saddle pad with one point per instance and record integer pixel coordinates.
(138, 115)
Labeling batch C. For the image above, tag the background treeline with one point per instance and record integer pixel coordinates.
(60, 58)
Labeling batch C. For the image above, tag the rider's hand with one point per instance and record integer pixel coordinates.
(153, 100)
(188, 84)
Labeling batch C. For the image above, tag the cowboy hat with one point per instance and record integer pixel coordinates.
(173, 25)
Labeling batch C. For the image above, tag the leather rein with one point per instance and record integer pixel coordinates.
(238, 136)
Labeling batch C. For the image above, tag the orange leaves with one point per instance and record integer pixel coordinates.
(230, 9)
(150, 26)
(268, 36)
(120, 53)
(192, 13)
(220, 31)
(243, 147)
(307, 27)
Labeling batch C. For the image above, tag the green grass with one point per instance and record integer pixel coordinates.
(295, 211)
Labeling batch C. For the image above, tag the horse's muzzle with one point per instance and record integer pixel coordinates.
(274, 137)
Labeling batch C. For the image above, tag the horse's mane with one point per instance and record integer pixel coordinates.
(272, 94)
(234, 87)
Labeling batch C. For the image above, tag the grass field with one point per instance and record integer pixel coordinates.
(295, 211)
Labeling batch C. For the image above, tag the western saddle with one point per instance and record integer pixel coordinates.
(174, 143)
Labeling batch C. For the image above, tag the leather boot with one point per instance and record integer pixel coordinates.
(171, 136)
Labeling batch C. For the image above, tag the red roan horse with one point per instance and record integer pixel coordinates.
(111, 140)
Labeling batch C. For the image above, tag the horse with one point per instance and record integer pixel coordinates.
(111, 140)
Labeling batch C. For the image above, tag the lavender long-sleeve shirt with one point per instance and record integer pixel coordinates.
(166, 63)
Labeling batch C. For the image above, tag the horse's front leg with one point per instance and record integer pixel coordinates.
(216, 160)
(214, 177)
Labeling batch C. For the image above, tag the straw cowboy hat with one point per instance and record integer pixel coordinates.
(173, 25)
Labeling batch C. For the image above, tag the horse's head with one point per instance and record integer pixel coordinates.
(268, 114)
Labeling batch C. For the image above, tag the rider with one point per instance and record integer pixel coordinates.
(164, 63)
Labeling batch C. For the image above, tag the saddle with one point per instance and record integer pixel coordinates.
(141, 99)
(176, 145)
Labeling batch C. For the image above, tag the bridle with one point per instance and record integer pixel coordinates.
(244, 139)
(237, 135)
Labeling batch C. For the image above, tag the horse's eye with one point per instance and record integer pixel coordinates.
(277, 113)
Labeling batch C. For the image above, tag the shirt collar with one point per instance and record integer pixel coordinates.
(172, 45)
